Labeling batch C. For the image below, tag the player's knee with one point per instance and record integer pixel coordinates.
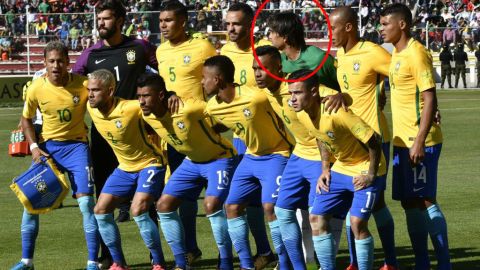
(269, 211)
(99, 210)
(233, 210)
(211, 205)
(167, 203)
(359, 227)
(138, 208)
(86, 204)
(319, 224)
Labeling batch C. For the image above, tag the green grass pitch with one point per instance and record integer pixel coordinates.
(61, 245)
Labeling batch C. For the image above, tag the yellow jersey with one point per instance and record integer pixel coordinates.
(181, 66)
(243, 61)
(345, 135)
(410, 73)
(190, 132)
(124, 130)
(62, 108)
(252, 118)
(361, 73)
(306, 145)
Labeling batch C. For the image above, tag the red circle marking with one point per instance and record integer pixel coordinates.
(252, 43)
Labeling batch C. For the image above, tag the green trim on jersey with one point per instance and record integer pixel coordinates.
(377, 98)
(417, 104)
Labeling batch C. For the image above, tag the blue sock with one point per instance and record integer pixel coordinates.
(256, 222)
(219, 224)
(174, 235)
(325, 249)
(364, 248)
(417, 230)
(92, 236)
(437, 227)
(29, 231)
(283, 260)
(386, 228)
(111, 236)
(151, 237)
(350, 241)
(188, 214)
(291, 236)
(238, 230)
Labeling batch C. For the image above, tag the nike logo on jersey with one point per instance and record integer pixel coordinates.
(44, 103)
(99, 61)
(274, 195)
(417, 189)
(363, 210)
(145, 186)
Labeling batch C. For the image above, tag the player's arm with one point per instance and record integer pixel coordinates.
(417, 151)
(173, 102)
(324, 179)
(374, 146)
(29, 132)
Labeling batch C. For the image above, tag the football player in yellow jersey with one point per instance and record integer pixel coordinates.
(140, 172)
(250, 116)
(297, 190)
(209, 157)
(361, 70)
(61, 97)
(238, 49)
(417, 139)
(354, 180)
(180, 61)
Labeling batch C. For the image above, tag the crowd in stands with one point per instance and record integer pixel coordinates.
(436, 22)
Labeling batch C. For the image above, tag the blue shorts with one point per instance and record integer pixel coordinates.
(174, 157)
(342, 197)
(72, 157)
(125, 184)
(239, 146)
(382, 182)
(257, 173)
(299, 180)
(415, 182)
(191, 177)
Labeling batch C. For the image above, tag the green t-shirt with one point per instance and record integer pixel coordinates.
(74, 33)
(43, 7)
(310, 58)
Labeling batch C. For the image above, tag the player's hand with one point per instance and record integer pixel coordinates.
(437, 118)
(335, 102)
(174, 103)
(362, 181)
(324, 182)
(37, 154)
(19, 124)
(417, 153)
(382, 101)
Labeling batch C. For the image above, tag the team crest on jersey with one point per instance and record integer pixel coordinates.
(131, 57)
(247, 112)
(181, 125)
(397, 66)
(187, 58)
(331, 135)
(118, 123)
(76, 99)
(356, 66)
(41, 186)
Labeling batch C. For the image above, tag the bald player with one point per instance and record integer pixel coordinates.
(417, 139)
(250, 116)
(362, 67)
(238, 49)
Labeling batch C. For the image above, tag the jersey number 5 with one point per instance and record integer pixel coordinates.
(171, 72)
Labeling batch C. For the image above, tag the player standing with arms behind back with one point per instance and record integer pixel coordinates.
(417, 140)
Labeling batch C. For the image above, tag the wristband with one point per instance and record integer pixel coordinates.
(33, 146)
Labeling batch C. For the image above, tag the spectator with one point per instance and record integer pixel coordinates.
(41, 29)
(74, 36)
(44, 7)
(86, 35)
(10, 18)
(446, 15)
(460, 57)
(449, 35)
(285, 5)
(52, 29)
(143, 33)
(6, 47)
(63, 34)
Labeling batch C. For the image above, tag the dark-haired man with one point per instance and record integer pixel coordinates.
(238, 49)
(362, 68)
(250, 116)
(62, 98)
(180, 60)
(352, 183)
(209, 162)
(417, 139)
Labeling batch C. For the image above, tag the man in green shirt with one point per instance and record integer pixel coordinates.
(287, 35)
(44, 7)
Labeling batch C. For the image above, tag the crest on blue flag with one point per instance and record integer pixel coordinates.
(41, 188)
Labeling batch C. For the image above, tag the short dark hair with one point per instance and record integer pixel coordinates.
(302, 73)
(398, 9)
(178, 8)
(289, 26)
(114, 5)
(224, 66)
(246, 9)
(152, 80)
(268, 50)
(56, 46)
